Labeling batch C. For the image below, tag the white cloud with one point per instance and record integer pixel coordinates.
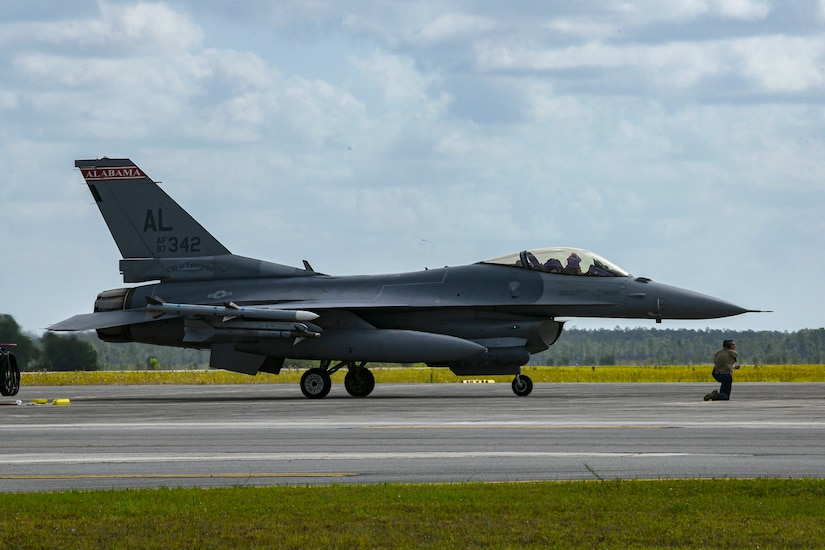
(408, 93)
(774, 63)
(320, 112)
(783, 64)
(141, 28)
(654, 11)
(452, 26)
(155, 24)
(581, 28)
(8, 100)
(673, 65)
(748, 10)
(417, 24)
(216, 96)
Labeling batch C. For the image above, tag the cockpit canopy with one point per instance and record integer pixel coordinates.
(567, 261)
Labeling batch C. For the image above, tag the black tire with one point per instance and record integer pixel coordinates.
(316, 383)
(522, 385)
(359, 382)
(9, 375)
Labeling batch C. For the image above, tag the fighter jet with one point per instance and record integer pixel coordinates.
(485, 318)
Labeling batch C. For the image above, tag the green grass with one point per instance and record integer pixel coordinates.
(759, 513)
(688, 373)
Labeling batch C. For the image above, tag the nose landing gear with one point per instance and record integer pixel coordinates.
(522, 385)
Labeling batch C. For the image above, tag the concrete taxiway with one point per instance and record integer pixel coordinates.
(213, 436)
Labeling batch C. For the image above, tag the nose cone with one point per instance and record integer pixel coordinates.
(679, 303)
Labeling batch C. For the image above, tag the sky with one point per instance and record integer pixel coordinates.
(683, 141)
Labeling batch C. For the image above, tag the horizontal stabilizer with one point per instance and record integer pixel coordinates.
(103, 319)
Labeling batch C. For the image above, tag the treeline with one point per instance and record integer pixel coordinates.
(637, 346)
(642, 346)
(49, 352)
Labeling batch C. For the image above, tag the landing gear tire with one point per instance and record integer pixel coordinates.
(316, 383)
(359, 382)
(522, 385)
(9, 375)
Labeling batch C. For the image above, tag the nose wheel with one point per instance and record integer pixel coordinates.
(522, 385)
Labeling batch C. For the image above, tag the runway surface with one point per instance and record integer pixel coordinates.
(214, 436)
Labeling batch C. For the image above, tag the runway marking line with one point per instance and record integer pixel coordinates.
(512, 427)
(178, 476)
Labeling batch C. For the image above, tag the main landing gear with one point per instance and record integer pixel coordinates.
(359, 381)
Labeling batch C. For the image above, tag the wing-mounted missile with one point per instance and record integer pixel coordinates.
(202, 331)
(232, 320)
(228, 311)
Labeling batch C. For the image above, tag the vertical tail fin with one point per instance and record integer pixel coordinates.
(156, 236)
(144, 221)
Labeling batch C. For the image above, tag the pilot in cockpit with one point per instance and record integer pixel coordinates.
(598, 269)
(553, 265)
(573, 266)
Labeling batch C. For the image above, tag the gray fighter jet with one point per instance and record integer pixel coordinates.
(485, 318)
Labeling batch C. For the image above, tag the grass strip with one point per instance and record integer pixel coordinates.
(760, 513)
(410, 375)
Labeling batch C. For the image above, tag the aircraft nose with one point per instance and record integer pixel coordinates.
(679, 303)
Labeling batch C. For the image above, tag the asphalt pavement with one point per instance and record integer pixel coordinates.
(100, 437)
